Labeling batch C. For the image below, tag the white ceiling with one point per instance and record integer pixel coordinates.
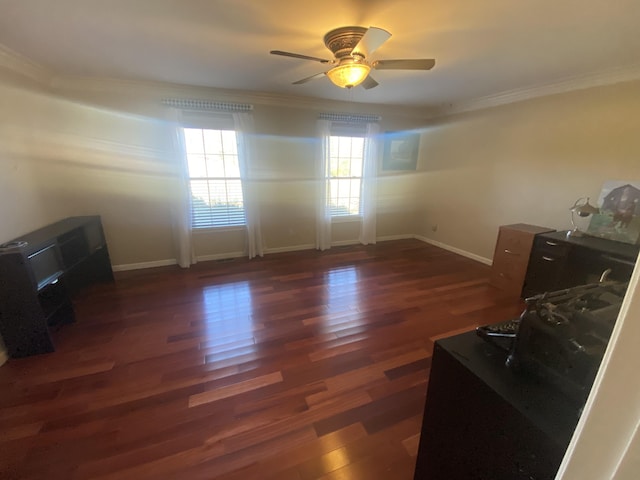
(482, 48)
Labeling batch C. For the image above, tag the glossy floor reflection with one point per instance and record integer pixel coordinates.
(299, 366)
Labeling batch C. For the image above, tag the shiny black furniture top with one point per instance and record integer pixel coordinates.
(485, 421)
(560, 260)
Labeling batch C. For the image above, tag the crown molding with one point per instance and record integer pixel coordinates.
(568, 84)
(71, 84)
(21, 65)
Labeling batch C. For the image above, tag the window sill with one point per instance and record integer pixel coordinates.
(208, 230)
(346, 219)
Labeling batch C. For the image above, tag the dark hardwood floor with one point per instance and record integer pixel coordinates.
(300, 366)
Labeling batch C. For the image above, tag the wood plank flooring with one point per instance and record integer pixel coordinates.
(305, 365)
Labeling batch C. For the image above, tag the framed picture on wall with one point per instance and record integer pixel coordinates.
(400, 151)
(619, 216)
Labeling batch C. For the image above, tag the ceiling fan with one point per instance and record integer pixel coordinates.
(350, 66)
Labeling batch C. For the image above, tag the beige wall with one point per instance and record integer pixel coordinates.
(61, 158)
(103, 148)
(283, 171)
(528, 162)
(20, 205)
(107, 151)
(525, 162)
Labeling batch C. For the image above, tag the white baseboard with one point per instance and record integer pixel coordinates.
(141, 265)
(395, 237)
(295, 248)
(220, 256)
(344, 243)
(464, 253)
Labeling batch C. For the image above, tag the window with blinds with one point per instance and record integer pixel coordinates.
(214, 176)
(344, 182)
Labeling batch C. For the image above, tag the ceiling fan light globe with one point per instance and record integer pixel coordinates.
(349, 75)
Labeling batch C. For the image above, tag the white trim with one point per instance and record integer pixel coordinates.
(395, 237)
(142, 265)
(459, 251)
(220, 256)
(346, 218)
(606, 431)
(20, 64)
(66, 83)
(295, 248)
(567, 84)
(344, 243)
(198, 231)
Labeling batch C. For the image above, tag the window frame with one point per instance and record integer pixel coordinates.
(191, 179)
(351, 134)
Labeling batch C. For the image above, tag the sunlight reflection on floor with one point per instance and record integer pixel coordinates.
(343, 296)
(228, 309)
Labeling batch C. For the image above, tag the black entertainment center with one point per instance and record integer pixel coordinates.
(40, 272)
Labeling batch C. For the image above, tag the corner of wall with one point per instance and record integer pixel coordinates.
(464, 253)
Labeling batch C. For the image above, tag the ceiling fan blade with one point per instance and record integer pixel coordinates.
(369, 83)
(308, 79)
(371, 41)
(407, 64)
(297, 55)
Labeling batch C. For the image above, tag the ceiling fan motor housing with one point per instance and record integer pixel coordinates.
(341, 41)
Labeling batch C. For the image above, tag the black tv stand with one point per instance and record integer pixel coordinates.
(40, 272)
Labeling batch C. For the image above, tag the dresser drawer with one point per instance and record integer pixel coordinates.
(513, 243)
(511, 256)
(508, 276)
(561, 260)
(550, 248)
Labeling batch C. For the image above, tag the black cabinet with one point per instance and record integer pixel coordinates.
(560, 261)
(483, 421)
(39, 274)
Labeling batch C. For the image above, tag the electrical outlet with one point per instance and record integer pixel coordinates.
(434, 228)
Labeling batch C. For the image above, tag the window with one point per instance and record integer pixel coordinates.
(344, 175)
(214, 177)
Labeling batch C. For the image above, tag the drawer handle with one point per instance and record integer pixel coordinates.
(619, 260)
(605, 275)
(548, 259)
(553, 244)
(506, 250)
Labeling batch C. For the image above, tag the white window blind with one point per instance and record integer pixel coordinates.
(345, 159)
(214, 176)
(344, 176)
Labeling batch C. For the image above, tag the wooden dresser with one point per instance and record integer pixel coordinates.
(511, 256)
